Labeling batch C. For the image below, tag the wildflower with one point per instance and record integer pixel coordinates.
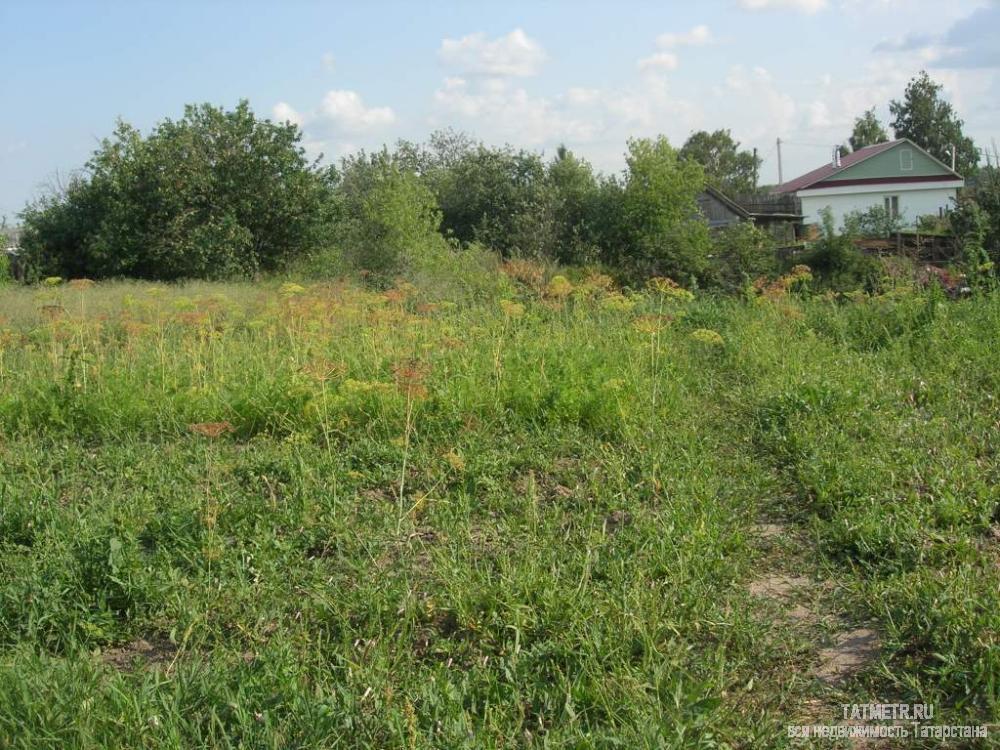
(528, 272)
(598, 282)
(192, 319)
(454, 460)
(53, 312)
(617, 301)
(211, 429)
(53, 281)
(512, 309)
(559, 287)
(410, 376)
(669, 289)
(651, 324)
(322, 370)
(801, 272)
(289, 289)
(708, 336)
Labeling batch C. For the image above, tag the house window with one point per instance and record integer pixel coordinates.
(892, 206)
(906, 160)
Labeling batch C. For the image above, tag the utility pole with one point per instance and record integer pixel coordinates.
(755, 163)
(953, 157)
(781, 179)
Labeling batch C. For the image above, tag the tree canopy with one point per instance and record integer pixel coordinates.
(216, 193)
(868, 131)
(928, 120)
(725, 166)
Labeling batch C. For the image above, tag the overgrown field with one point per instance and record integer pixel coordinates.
(550, 516)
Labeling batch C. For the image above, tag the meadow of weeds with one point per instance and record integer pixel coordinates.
(290, 515)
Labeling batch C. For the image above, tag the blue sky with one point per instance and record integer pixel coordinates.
(533, 74)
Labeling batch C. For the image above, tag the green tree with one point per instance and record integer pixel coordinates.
(217, 193)
(388, 217)
(741, 253)
(726, 167)
(496, 197)
(970, 226)
(987, 195)
(868, 131)
(575, 193)
(928, 120)
(663, 230)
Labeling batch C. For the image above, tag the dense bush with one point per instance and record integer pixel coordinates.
(873, 222)
(837, 262)
(987, 196)
(663, 234)
(740, 254)
(213, 194)
(387, 217)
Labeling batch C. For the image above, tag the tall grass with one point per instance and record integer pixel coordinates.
(522, 518)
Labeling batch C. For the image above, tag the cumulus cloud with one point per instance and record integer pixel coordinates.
(348, 111)
(659, 61)
(698, 36)
(598, 120)
(515, 54)
(801, 6)
(341, 111)
(334, 125)
(284, 112)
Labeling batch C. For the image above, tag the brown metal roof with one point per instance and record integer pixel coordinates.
(828, 170)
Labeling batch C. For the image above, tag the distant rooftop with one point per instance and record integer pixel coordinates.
(828, 170)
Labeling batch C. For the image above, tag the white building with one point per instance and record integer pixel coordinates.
(899, 176)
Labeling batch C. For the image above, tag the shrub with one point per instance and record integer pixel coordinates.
(664, 233)
(389, 218)
(970, 225)
(838, 264)
(873, 222)
(741, 253)
(211, 195)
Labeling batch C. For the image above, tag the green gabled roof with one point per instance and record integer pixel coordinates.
(872, 164)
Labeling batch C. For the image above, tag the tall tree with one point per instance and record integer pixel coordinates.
(930, 122)
(725, 166)
(867, 131)
(574, 193)
(665, 233)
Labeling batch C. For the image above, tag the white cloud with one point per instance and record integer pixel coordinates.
(347, 110)
(766, 111)
(515, 54)
(801, 6)
(284, 112)
(328, 61)
(596, 121)
(331, 127)
(659, 61)
(696, 37)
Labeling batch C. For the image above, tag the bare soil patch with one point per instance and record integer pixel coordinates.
(155, 652)
(851, 652)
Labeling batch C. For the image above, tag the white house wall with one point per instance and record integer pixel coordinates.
(915, 200)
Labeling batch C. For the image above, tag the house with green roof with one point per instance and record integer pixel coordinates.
(899, 176)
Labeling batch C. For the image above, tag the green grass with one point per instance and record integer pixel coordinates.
(429, 524)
